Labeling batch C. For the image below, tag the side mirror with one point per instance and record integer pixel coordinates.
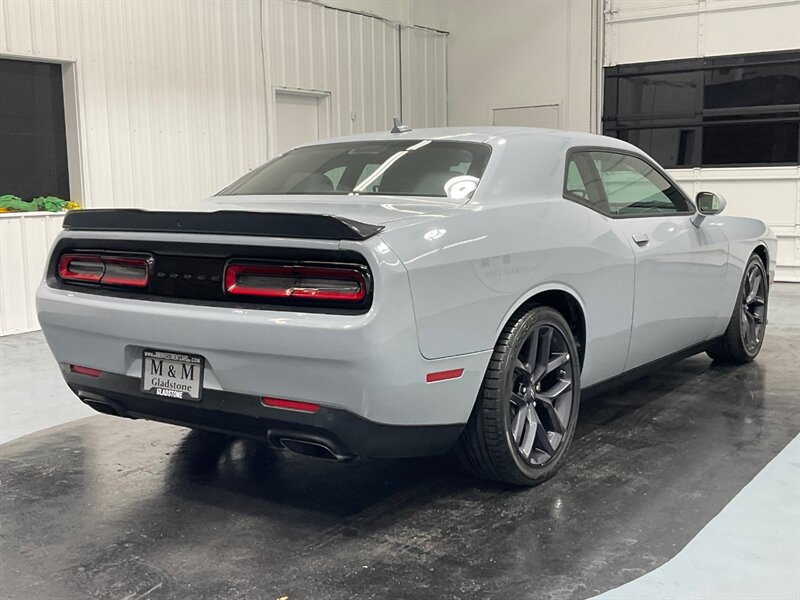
(708, 205)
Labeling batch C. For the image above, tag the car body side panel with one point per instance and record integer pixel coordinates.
(680, 272)
(471, 270)
(744, 235)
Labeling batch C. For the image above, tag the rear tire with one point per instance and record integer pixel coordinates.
(744, 336)
(527, 408)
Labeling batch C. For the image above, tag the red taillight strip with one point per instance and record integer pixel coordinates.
(308, 407)
(121, 278)
(66, 260)
(85, 371)
(111, 270)
(296, 287)
(442, 375)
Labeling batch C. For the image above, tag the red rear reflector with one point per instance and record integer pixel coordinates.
(105, 270)
(290, 404)
(296, 281)
(442, 375)
(85, 371)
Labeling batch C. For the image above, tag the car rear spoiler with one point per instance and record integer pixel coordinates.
(225, 222)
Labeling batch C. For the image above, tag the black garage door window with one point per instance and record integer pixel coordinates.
(721, 111)
(33, 143)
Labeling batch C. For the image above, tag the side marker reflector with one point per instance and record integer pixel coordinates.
(442, 375)
(85, 371)
(308, 407)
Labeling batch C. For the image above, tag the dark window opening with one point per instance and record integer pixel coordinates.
(765, 143)
(33, 142)
(729, 110)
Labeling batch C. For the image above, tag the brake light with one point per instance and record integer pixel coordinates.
(125, 271)
(80, 267)
(104, 269)
(296, 281)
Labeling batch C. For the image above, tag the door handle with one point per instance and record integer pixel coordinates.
(641, 238)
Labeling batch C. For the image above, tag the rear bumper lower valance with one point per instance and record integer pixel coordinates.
(346, 434)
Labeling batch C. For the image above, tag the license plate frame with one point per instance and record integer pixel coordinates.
(168, 380)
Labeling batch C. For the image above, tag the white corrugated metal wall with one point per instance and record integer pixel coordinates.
(423, 71)
(351, 56)
(637, 31)
(175, 98)
(171, 94)
(24, 245)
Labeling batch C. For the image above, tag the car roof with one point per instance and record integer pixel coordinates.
(490, 135)
(512, 152)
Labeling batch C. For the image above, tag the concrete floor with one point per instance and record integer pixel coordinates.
(750, 550)
(33, 396)
(109, 508)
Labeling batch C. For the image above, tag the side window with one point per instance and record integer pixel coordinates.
(575, 184)
(633, 187)
(582, 184)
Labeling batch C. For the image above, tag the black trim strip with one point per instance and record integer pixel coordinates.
(625, 377)
(224, 222)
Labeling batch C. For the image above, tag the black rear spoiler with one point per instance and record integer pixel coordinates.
(225, 222)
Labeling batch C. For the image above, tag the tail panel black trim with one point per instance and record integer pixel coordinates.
(224, 222)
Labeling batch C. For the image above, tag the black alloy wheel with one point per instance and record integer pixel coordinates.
(753, 307)
(540, 394)
(525, 415)
(744, 336)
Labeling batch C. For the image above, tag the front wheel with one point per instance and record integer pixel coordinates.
(527, 408)
(744, 336)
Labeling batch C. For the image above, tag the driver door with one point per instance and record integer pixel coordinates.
(679, 268)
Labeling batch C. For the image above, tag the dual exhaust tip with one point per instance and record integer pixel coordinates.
(309, 448)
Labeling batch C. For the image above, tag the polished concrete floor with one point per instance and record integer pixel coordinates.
(749, 551)
(110, 508)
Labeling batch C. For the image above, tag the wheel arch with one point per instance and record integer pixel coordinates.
(763, 253)
(562, 299)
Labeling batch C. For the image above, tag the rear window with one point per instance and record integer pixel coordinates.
(439, 169)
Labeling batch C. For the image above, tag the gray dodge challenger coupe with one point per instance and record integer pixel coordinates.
(398, 294)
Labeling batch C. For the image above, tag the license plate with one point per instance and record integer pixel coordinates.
(172, 375)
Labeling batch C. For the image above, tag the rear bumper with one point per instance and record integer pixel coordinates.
(342, 433)
(366, 364)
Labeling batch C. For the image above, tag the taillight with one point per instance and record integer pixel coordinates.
(104, 269)
(81, 267)
(340, 284)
